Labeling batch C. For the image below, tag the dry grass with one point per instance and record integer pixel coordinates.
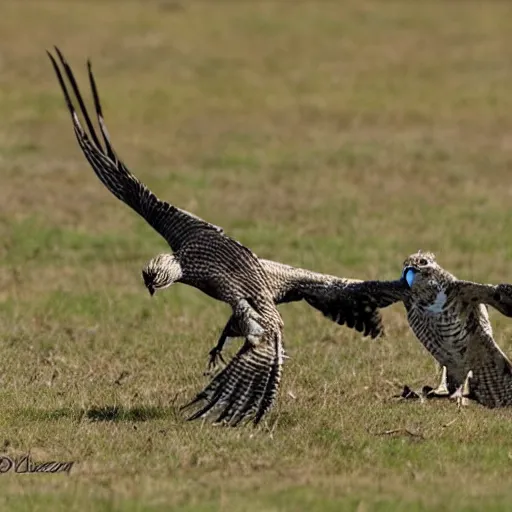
(336, 136)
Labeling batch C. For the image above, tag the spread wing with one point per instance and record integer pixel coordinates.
(354, 303)
(381, 293)
(174, 224)
(349, 302)
(498, 296)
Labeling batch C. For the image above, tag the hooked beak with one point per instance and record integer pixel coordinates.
(409, 274)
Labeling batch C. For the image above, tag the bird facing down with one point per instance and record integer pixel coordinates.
(450, 318)
(206, 258)
(161, 272)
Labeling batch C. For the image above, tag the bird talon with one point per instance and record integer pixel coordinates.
(408, 394)
(463, 393)
(215, 355)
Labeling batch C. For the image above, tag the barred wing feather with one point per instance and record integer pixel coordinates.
(174, 224)
(498, 296)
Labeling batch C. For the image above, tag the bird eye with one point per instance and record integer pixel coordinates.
(423, 261)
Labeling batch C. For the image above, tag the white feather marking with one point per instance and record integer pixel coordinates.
(255, 329)
(438, 304)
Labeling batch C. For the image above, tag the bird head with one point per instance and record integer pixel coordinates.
(421, 272)
(161, 272)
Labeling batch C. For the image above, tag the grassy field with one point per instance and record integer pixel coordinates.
(338, 136)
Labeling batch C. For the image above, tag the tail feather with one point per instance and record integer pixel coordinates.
(206, 408)
(239, 406)
(247, 388)
(491, 384)
(272, 387)
(264, 384)
(248, 408)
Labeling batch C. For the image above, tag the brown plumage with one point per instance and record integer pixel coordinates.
(450, 318)
(206, 258)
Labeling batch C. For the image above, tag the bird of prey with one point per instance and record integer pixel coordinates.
(450, 318)
(204, 257)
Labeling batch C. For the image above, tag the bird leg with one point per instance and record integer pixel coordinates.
(243, 322)
(248, 322)
(442, 389)
(463, 392)
(215, 354)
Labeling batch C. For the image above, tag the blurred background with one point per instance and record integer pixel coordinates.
(337, 136)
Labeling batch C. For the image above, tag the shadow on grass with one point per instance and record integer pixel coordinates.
(118, 413)
(104, 413)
